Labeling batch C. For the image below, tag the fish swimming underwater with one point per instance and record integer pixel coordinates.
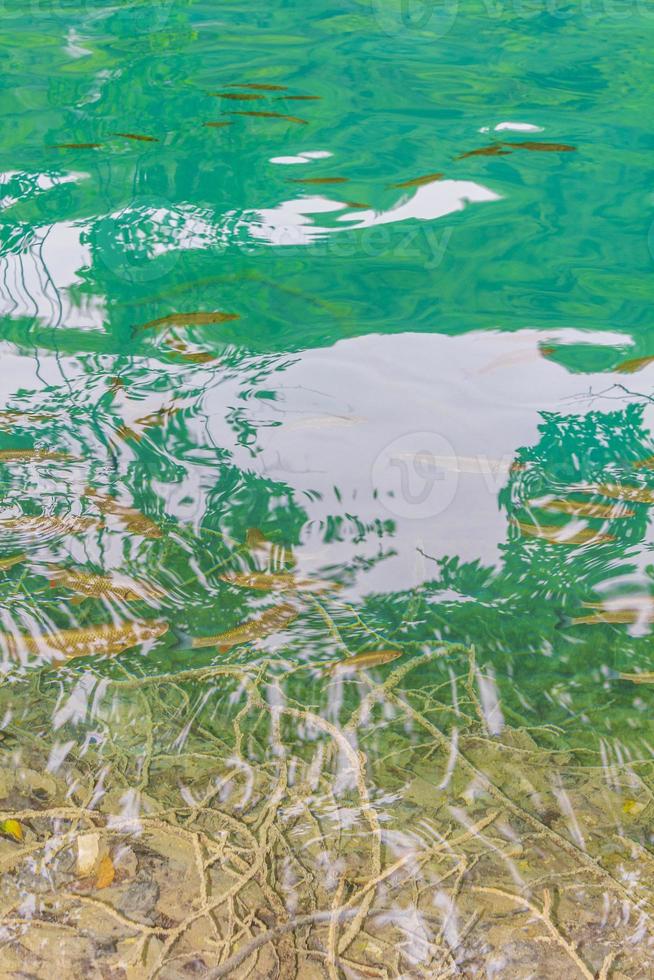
(557, 535)
(618, 491)
(584, 508)
(419, 181)
(281, 582)
(189, 320)
(28, 455)
(273, 115)
(133, 519)
(45, 523)
(92, 586)
(361, 661)
(271, 621)
(138, 137)
(88, 641)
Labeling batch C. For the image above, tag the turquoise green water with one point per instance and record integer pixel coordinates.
(354, 298)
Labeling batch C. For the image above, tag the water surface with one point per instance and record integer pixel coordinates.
(325, 334)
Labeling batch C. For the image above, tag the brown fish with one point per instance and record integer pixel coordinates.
(44, 524)
(246, 97)
(271, 621)
(614, 617)
(369, 658)
(555, 535)
(617, 491)
(419, 181)
(29, 455)
(115, 384)
(259, 85)
(10, 561)
(128, 435)
(356, 204)
(318, 180)
(91, 586)
(280, 582)
(582, 508)
(11, 417)
(104, 641)
(633, 364)
(494, 150)
(76, 146)
(189, 320)
(542, 147)
(217, 125)
(274, 115)
(644, 678)
(133, 519)
(194, 357)
(158, 417)
(139, 137)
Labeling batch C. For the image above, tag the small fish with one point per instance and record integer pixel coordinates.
(614, 617)
(10, 417)
(543, 147)
(246, 97)
(115, 384)
(139, 137)
(133, 519)
(369, 658)
(128, 435)
(93, 586)
(357, 205)
(185, 353)
(89, 640)
(647, 677)
(20, 455)
(419, 181)
(259, 85)
(76, 146)
(633, 364)
(582, 508)
(556, 535)
(194, 357)
(281, 582)
(12, 828)
(277, 555)
(274, 115)
(318, 180)
(158, 417)
(494, 150)
(271, 621)
(7, 563)
(617, 491)
(189, 320)
(217, 125)
(44, 524)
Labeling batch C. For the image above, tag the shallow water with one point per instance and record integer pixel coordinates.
(365, 375)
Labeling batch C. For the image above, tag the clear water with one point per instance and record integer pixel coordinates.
(372, 371)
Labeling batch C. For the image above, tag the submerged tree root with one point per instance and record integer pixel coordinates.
(377, 832)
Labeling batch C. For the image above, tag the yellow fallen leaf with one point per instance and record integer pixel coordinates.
(106, 873)
(12, 828)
